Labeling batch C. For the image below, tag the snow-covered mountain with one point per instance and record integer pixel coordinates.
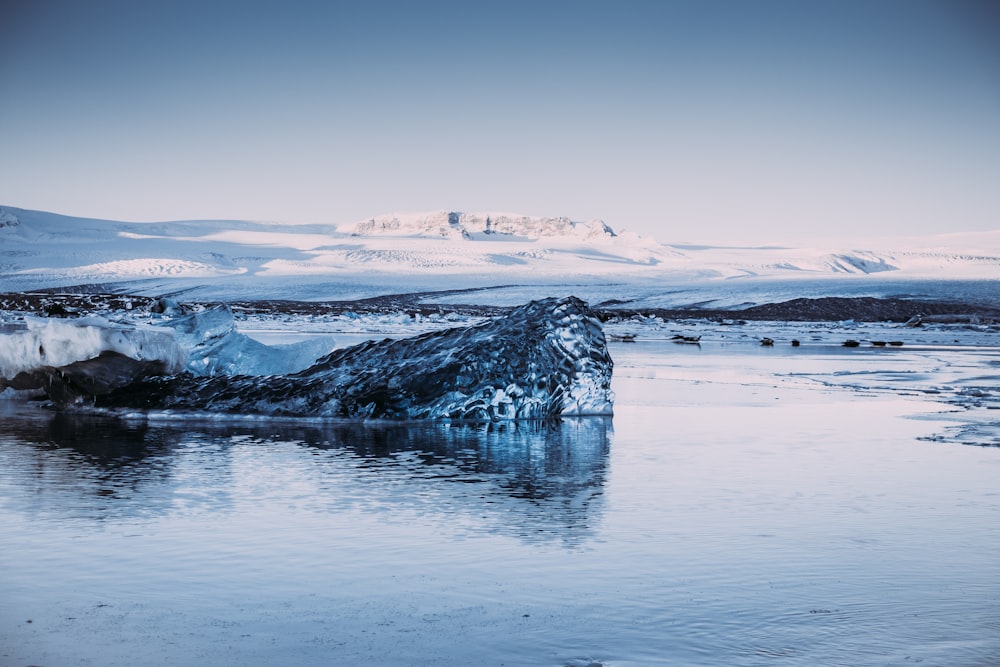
(433, 251)
(454, 224)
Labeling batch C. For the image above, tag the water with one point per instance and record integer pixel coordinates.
(743, 507)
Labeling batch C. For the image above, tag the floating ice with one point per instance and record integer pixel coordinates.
(41, 342)
(541, 360)
(215, 347)
(46, 353)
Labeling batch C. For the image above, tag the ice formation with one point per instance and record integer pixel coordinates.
(215, 347)
(541, 360)
(51, 342)
(45, 353)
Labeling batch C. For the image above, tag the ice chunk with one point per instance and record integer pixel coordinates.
(215, 347)
(44, 342)
(40, 352)
(541, 360)
(166, 306)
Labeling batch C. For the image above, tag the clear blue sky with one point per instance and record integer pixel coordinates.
(688, 120)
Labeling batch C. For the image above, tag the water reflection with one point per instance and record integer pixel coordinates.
(535, 461)
(75, 465)
(106, 443)
(535, 481)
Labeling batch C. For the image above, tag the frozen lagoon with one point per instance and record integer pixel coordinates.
(745, 506)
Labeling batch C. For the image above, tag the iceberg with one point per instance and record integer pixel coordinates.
(55, 355)
(542, 360)
(48, 342)
(215, 347)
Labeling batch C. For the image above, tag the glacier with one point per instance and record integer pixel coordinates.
(542, 360)
(219, 260)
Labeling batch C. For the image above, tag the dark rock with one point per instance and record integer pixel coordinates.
(58, 310)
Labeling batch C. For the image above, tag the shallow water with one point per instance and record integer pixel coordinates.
(743, 507)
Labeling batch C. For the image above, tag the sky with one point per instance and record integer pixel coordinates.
(685, 120)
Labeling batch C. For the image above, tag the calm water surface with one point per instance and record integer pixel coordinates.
(737, 510)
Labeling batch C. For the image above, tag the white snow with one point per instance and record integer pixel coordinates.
(146, 267)
(440, 250)
(492, 226)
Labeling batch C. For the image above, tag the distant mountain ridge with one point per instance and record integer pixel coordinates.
(456, 224)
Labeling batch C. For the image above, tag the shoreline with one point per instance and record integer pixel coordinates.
(70, 302)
